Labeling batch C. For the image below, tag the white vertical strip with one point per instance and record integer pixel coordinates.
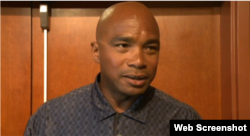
(45, 66)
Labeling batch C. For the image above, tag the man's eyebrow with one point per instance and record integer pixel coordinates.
(122, 38)
(130, 39)
(153, 41)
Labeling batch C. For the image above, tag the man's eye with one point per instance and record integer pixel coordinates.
(122, 45)
(152, 48)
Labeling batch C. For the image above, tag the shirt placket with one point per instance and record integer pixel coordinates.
(118, 124)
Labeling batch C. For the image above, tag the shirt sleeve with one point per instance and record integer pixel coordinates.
(36, 125)
(193, 114)
(29, 128)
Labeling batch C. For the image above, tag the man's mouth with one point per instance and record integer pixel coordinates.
(136, 80)
(137, 77)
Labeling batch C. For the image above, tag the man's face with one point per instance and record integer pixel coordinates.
(128, 56)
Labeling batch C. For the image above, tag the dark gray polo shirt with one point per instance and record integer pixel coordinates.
(85, 112)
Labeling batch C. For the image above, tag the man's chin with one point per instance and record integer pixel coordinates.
(134, 91)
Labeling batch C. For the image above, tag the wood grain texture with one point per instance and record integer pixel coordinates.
(70, 63)
(227, 89)
(37, 61)
(235, 61)
(243, 59)
(15, 70)
(189, 66)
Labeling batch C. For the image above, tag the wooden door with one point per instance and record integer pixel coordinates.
(204, 57)
(70, 63)
(15, 69)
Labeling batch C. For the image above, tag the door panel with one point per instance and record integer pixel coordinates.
(15, 69)
(189, 65)
(37, 61)
(70, 63)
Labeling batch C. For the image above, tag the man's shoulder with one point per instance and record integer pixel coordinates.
(73, 104)
(165, 98)
(83, 91)
(174, 107)
(79, 96)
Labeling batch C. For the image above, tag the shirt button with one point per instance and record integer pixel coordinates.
(119, 135)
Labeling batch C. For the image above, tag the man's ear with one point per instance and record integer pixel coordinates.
(95, 51)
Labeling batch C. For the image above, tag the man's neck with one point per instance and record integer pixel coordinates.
(119, 102)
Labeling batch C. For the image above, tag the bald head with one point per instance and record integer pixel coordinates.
(124, 11)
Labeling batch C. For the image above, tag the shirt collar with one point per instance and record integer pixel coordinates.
(102, 109)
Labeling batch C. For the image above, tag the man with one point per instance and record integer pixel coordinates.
(121, 102)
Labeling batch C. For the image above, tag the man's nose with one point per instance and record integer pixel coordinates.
(137, 59)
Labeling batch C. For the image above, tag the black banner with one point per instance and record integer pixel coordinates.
(213, 127)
